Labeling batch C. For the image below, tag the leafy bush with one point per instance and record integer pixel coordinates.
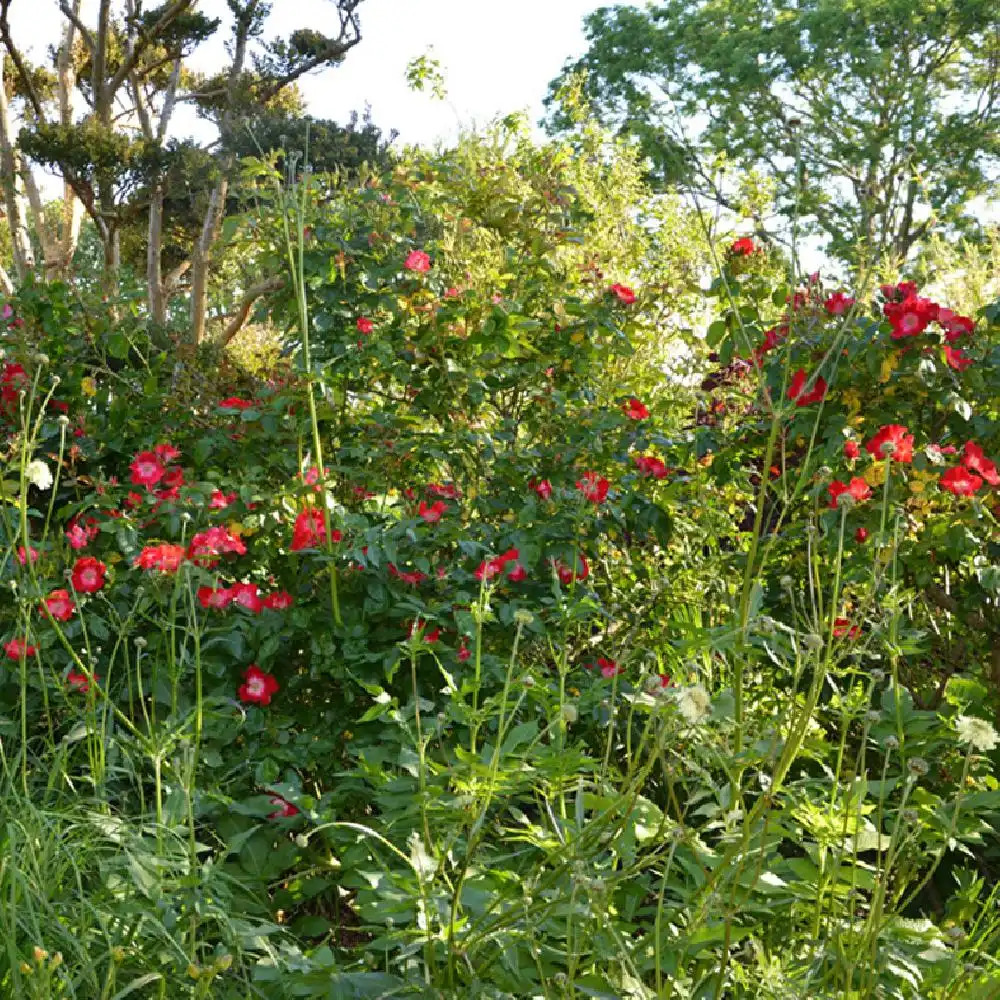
(451, 661)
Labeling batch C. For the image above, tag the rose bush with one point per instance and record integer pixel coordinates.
(451, 661)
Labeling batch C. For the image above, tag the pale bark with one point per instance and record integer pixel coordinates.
(156, 299)
(72, 209)
(14, 202)
(202, 258)
(157, 292)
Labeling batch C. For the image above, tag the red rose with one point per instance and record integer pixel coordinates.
(623, 293)
(893, 440)
(166, 558)
(17, 649)
(88, 575)
(593, 487)
(147, 469)
(247, 595)
(257, 686)
(59, 604)
(417, 260)
(857, 488)
(635, 410)
(974, 460)
(838, 303)
(432, 513)
(309, 531)
(797, 393)
(960, 481)
(215, 597)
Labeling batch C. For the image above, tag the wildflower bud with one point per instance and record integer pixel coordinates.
(26, 969)
(185, 516)
(872, 717)
(224, 962)
(917, 767)
(846, 500)
(118, 954)
(570, 714)
(787, 582)
(878, 676)
(56, 379)
(955, 933)
(39, 954)
(825, 473)
(910, 816)
(62, 420)
(40, 359)
(560, 979)
(529, 681)
(193, 971)
(57, 960)
(140, 642)
(813, 641)
(523, 617)
(891, 743)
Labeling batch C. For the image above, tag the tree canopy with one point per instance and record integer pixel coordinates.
(878, 120)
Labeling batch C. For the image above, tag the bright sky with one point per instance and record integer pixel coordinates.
(496, 57)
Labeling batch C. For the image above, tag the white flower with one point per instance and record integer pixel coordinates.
(694, 703)
(38, 474)
(978, 733)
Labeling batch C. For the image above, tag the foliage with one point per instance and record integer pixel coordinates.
(878, 120)
(468, 653)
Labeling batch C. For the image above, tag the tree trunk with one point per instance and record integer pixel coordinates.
(201, 259)
(154, 269)
(72, 210)
(24, 254)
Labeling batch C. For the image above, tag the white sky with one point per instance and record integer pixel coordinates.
(497, 57)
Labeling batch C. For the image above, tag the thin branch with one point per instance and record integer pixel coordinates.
(74, 18)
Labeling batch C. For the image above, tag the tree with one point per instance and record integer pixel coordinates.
(129, 72)
(878, 120)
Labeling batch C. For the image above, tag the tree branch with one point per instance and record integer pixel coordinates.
(253, 293)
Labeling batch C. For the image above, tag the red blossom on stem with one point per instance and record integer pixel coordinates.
(258, 687)
(856, 488)
(147, 469)
(19, 649)
(59, 604)
(960, 481)
(634, 409)
(417, 260)
(623, 293)
(165, 557)
(893, 440)
(88, 575)
(797, 389)
(594, 487)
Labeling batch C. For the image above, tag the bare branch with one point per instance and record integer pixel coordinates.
(73, 15)
(238, 319)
